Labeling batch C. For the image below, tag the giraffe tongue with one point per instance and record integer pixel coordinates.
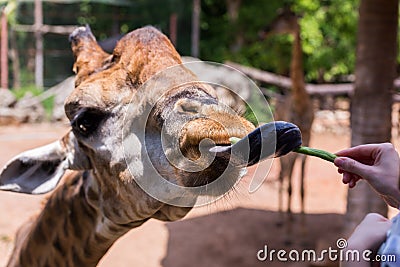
(271, 139)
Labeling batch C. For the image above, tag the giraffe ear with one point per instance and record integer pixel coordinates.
(39, 170)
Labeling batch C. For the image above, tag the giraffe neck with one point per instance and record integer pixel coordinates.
(300, 97)
(70, 230)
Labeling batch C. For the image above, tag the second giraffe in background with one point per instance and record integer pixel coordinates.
(296, 106)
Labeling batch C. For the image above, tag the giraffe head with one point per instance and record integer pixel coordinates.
(286, 22)
(140, 121)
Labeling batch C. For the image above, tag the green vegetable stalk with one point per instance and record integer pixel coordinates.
(234, 140)
(303, 150)
(316, 153)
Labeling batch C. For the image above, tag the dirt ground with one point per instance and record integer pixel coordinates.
(228, 232)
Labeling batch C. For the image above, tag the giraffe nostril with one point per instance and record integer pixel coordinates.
(187, 106)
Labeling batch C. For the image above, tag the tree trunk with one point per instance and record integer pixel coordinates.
(15, 60)
(4, 51)
(196, 28)
(173, 28)
(372, 100)
(115, 28)
(233, 15)
(38, 14)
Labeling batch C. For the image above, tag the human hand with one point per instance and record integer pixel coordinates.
(370, 233)
(378, 164)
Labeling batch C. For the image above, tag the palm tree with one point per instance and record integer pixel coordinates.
(372, 101)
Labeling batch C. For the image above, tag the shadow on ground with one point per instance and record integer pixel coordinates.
(233, 238)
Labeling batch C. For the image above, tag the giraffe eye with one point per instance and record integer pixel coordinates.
(86, 121)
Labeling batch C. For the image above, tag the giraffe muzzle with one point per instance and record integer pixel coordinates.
(273, 139)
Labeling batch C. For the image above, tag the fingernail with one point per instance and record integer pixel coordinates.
(339, 162)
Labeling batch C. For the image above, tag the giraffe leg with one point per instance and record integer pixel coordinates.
(280, 193)
(290, 167)
(302, 190)
(289, 191)
(303, 228)
(288, 230)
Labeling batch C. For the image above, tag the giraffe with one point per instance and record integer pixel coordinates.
(296, 106)
(114, 145)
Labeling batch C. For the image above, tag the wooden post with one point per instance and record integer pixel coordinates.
(4, 51)
(173, 25)
(196, 27)
(39, 44)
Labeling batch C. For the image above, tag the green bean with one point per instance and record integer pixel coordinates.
(316, 153)
(234, 140)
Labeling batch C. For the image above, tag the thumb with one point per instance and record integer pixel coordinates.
(352, 166)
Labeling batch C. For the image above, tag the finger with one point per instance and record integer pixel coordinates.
(365, 150)
(346, 178)
(365, 154)
(355, 177)
(353, 180)
(353, 166)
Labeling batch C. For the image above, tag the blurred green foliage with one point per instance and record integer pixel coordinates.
(32, 90)
(328, 31)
